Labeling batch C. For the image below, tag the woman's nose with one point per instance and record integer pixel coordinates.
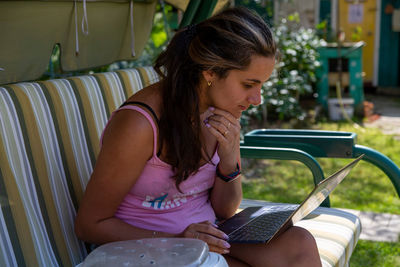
(255, 98)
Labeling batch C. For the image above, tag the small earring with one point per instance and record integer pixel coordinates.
(209, 83)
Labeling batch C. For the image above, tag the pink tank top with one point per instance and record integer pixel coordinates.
(154, 203)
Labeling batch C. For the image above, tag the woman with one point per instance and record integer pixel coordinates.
(174, 176)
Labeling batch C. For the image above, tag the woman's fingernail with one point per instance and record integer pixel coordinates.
(226, 237)
(213, 224)
(211, 108)
(226, 251)
(226, 244)
(208, 125)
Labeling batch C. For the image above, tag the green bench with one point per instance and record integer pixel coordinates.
(49, 140)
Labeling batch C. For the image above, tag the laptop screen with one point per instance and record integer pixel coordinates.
(321, 191)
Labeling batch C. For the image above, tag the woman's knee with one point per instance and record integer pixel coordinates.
(295, 247)
(302, 245)
(302, 236)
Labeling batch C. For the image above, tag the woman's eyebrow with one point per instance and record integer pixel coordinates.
(254, 80)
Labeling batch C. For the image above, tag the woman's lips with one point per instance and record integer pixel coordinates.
(242, 107)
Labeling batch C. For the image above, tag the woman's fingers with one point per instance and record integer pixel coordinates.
(212, 240)
(220, 134)
(226, 127)
(225, 114)
(224, 118)
(218, 249)
(223, 126)
(208, 232)
(210, 229)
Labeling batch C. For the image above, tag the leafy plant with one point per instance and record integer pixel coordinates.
(265, 8)
(294, 74)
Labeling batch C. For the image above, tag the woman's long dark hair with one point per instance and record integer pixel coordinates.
(221, 43)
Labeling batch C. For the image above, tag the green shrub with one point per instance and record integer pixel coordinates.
(294, 74)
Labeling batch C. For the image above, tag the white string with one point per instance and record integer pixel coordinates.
(76, 29)
(85, 20)
(132, 32)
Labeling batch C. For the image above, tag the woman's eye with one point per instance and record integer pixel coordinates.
(248, 86)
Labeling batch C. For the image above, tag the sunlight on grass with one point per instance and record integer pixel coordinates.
(366, 188)
(369, 253)
(279, 181)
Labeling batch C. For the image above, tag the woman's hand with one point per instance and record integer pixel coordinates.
(226, 128)
(207, 231)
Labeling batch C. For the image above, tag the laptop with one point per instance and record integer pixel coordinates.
(262, 224)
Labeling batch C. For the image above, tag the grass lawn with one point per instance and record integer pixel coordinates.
(380, 254)
(366, 188)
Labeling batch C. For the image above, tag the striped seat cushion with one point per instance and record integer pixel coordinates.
(49, 140)
(335, 231)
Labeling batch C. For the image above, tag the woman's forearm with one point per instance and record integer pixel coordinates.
(226, 197)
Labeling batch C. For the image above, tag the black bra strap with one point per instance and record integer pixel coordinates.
(143, 105)
(149, 109)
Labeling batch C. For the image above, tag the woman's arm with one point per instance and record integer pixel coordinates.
(226, 196)
(127, 145)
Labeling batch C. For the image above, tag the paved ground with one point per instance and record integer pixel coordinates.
(386, 114)
(382, 226)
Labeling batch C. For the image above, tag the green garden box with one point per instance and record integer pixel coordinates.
(327, 74)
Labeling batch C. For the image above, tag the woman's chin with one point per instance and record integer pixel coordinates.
(237, 114)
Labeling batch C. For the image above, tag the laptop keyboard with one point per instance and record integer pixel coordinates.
(261, 229)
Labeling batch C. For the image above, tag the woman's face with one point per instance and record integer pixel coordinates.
(240, 89)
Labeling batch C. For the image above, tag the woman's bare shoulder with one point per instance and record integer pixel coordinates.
(129, 130)
(150, 95)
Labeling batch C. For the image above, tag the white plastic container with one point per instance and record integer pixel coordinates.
(153, 252)
(335, 112)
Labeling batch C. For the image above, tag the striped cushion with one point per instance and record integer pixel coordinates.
(336, 232)
(49, 139)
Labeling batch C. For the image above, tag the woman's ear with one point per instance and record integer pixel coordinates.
(208, 75)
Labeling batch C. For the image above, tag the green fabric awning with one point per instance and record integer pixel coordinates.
(30, 29)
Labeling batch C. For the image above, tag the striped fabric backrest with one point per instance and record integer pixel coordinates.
(49, 140)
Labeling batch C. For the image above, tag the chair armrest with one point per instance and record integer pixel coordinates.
(317, 143)
(328, 144)
(382, 162)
